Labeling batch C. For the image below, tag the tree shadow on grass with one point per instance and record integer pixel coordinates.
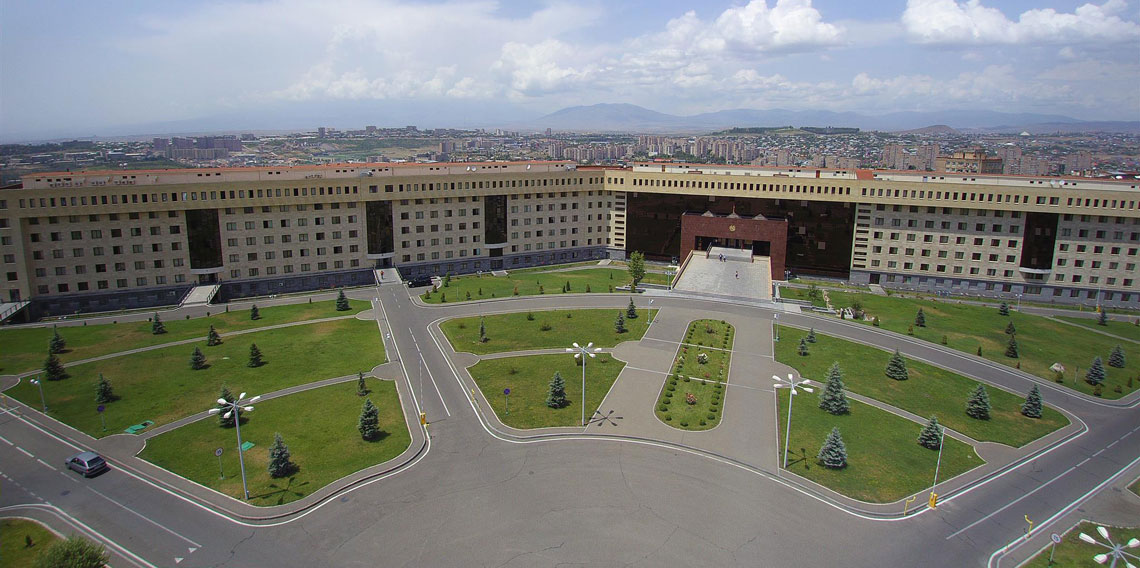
(379, 436)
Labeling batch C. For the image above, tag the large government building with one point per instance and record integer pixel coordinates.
(101, 240)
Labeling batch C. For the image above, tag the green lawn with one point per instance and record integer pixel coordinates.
(654, 278)
(802, 294)
(690, 375)
(929, 391)
(884, 461)
(529, 283)
(1075, 553)
(515, 332)
(318, 425)
(1041, 341)
(14, 550)
(529, 377)
(1121, 328)
(26, 348)
(1135, 487)
(159, 385)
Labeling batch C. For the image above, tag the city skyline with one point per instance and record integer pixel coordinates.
(289, 64)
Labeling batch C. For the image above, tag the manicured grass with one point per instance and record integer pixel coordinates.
(655, 278)
(13, 547)
(884, 461)
(929, 391)
(318, 425)
(159, 385)
(828, 283)
(1123, 329)
(515, 332)
(701, 380)
(1041, 341)
(528, 284)
(529, 377)
(1075, 553)
(1135, 487)
(26, 348)
(802, 294)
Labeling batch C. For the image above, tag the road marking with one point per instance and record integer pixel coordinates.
(1083, 462)
(25, 452)
(126, 554)
(407, 375)
(5, 440)
(46, 464)
(142, 516)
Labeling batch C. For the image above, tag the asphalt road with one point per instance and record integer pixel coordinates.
(478, 499)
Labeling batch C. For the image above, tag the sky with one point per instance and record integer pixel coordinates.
(116, 67)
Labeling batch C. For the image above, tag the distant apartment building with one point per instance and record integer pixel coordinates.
(974, 161)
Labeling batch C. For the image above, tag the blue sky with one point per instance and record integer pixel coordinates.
(74, 69)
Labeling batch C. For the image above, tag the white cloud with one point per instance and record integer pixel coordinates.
(949, 22)
(789, 25)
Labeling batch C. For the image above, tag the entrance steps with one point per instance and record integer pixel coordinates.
(9, 309)
(737, 276)
(387, 276)
(200, 295)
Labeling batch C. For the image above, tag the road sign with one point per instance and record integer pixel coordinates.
(100, 408)
(1056, 538)
(221, 472)
(218, 452)
(506, 391)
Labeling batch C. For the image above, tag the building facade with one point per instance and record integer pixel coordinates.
(82, 241)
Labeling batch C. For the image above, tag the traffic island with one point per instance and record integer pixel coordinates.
(543, 329)
(529, 379)
(692, 396)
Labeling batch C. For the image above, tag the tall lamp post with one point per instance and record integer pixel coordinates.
(235, 408)
(1115, 551)
(36, 381)
(582, 352)
(790, 383)
(937, 465)
(776, 325)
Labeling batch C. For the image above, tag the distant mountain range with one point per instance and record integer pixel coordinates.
(633, 118)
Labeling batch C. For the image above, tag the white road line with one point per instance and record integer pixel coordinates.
(25, 452)
(1083, 462)
(49, 466)
(143, 517)
(127, 554)
(5, 440)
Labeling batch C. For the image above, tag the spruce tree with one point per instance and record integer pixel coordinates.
(254, 313)
(811, 335)
(156, 326)
(57, 344)
(212, 338)
(920, 319)
(1116, 358)
(556, 394)
(896, 367)
(1009, 329)
(832, 398)
(1102, 319)
(342, 302)
(361, 385)
(482, 330)
(279, 463)
(1003, 309)
(103, 392)
(803, 348)
(369, 423)
(978, 405)
(1011, 347)
(631, 310)
(931, 435)
(1032, 406)
(223, 421)
(619, 325)
(833, 453)
(255, 356)
(197, 360)
(53, 369)
(1095, 374)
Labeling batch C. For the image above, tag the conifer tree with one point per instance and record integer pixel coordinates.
(482, 330)
(1032, 406)
(254, 313)
(197, 360)
(280, 463)
(832, 398)
(369, 423)
(103, 392)
(255, 356)
(53, 369)
(223, 421)
(1095, 374)
(1116, 358)
(556, 394)
(156, 326)
(920, 318)
(931, 434)
(833, 453)
(342, 302)
(1003, 309)
(619, 325)
(1009, 329)
(803, 348)
(1102, 319)
(978, 405)
(631, 310)
(57, 344)
(1011, 347)
(896, 367)
(212, 337)
(361, 385)
(811, 335)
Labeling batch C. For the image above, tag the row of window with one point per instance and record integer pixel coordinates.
(101, 251)
(289, 268)
(1078, 278)
(288, 253)
(57, 236)
(140, 282)
(285, 223)
(301, 237)
(79, 269)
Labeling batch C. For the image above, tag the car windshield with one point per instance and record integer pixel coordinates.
(95, 462)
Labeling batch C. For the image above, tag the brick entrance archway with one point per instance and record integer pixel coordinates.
(737, 232)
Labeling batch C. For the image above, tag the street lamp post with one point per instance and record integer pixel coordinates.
(937, 465)
(1115, 551)
(36, 381)
(234, 408)
(791, 383)
(579, 351)
(1019, 302)
(776, 325)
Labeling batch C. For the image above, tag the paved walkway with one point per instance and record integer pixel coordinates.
(734, 277)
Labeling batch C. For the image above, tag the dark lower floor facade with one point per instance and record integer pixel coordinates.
(1011, 291)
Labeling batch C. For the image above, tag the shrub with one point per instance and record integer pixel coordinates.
(690, 398)
(545, 326)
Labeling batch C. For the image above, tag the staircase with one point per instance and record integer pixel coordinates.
(200, 295)
(9, 309)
